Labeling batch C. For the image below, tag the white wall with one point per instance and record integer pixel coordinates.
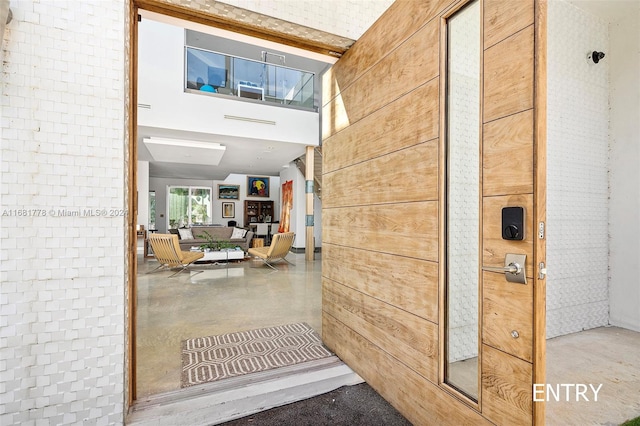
(62, 301)
(577, 171)
(143, 193)
(351, 20)
(160, 186)
(297, 219)
(298, 212)
(624, 176)
(161, 85)
(143, 199)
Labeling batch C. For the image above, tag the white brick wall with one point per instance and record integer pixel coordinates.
(577, 184)
(63, 286)
(347, 18)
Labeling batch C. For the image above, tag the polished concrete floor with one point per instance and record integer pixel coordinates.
(221, 299)
(248, 295)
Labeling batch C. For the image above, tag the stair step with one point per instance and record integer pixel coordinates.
(229, 399)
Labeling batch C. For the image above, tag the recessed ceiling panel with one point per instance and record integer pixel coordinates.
(185, 151)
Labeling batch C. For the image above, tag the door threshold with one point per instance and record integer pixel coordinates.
(229, 399)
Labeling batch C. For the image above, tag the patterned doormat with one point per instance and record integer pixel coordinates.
(207, 359)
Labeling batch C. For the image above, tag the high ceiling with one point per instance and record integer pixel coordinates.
(241, 155)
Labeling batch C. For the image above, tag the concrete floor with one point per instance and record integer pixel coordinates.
(242, 296)
(248, 295)
(607, 356)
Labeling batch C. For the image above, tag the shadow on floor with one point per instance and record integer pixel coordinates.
(348, 406)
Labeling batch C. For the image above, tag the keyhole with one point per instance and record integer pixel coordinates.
(512, 231)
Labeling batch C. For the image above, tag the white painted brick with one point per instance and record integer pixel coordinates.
(577, 198)
(352, 20)
(47, 113)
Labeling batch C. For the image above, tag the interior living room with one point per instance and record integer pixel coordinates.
(226, 181)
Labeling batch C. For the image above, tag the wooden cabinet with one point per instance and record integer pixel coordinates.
(258, 212)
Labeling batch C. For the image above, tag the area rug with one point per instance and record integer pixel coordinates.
(212, 358)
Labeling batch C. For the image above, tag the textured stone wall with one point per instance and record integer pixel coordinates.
(62, 302)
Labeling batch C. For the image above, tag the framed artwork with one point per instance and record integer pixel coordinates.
(228, 192)
(228, 210)
(257, 186)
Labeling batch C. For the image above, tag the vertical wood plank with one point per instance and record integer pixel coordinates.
(508, 76)
(540, 202)
(507, 307)
(501, 22)
(507, 393)
(507, 165)
(132, 205)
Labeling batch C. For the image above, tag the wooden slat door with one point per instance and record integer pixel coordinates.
(382, 211)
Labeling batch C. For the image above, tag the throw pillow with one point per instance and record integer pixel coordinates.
(238, 233)
(185, 234)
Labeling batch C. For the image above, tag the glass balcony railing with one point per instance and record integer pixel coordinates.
(229, 75)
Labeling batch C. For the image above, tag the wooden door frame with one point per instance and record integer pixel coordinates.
(132, 205)
(539, 201)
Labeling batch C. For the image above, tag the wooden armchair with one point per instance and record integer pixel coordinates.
(166, 250)
(280, 246)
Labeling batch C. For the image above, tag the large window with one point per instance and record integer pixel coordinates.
(152, 210)
(188, 205)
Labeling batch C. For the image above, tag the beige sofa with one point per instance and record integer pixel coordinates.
(219, 233)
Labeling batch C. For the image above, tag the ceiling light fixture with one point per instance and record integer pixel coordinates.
(252, 120)
(185, 143)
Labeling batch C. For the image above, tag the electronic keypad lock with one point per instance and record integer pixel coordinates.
(513, 223)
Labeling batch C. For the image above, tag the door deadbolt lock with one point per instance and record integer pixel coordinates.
(513, 269)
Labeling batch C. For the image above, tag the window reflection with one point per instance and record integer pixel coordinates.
(463, 198)
(228, 75)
